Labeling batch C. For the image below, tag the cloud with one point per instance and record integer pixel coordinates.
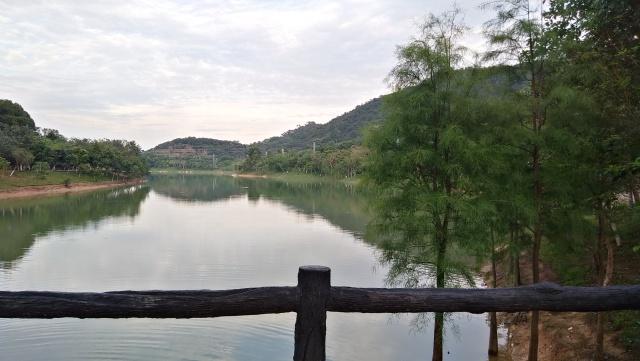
(235, 69)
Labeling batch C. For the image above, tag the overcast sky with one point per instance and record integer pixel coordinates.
(240, 70)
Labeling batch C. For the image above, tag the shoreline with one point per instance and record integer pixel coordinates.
(290, 176)
(59, 189)
(249, 175)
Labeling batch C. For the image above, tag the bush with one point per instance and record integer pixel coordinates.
(41, 168)
(4, 165)
(67, 182)
(85, 168)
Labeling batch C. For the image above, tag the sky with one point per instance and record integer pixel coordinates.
(154, 70)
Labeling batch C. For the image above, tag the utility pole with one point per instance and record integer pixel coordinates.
(314, 147)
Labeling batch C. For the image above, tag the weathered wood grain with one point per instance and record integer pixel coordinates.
(314, 284)
(253, 301)
(542, 296)
(148, 304)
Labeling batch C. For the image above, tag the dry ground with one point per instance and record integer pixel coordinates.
(564, 336)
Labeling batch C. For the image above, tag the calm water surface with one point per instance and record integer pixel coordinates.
(195, 232)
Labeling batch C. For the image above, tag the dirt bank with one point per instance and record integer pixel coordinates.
(564, 336)
(49, 190)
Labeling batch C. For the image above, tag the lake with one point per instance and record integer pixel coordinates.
(206, 232)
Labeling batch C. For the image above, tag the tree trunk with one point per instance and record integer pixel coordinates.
(600, 337)
(535, 254)
(493, 322)
(634, 195)
(516, 270)
(514, 236)
(533, 341)
(493, 334)
(606, 281)
(438, 328)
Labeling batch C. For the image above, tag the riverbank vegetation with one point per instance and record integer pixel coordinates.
(36, 156)
(36, 179)
(538, 154)
(345, 161)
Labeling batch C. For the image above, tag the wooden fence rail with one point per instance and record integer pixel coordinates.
(311, 299)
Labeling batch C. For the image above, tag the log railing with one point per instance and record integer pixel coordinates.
(311, 299)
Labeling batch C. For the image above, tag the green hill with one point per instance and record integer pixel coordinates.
(342, 129)
(198, 153)
(13, 115)
(195, 153)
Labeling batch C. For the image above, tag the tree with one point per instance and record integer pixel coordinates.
(250, 163)
(499, 183)
(41, 168)
(4, 164)
(23, 158)
(419, 154)
(516, 34)
(596, 50)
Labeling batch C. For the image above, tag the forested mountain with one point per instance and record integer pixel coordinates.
(192, 152)
(198, 153)
(344, 128)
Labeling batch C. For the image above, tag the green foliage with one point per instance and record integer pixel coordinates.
(493, 135)
(22, 157)
(12, 115)
(422, 157)
(4, 164)
(343, 161)
(67, 182)
(345, 130)
(22, 144)
(250, 164)
(195, 153)
(41, 168)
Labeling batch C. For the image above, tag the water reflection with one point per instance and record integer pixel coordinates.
(23, 220)
(195, 188)
(194, 232)
(339, 203)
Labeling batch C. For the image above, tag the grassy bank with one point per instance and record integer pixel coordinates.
(33, 179)
(292, 177)
(309, 178)
(190, 171)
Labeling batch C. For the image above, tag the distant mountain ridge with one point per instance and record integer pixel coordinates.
(201, 146)
(344, 128)
(192, 152)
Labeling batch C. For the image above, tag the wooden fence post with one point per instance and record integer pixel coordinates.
(314, 286)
